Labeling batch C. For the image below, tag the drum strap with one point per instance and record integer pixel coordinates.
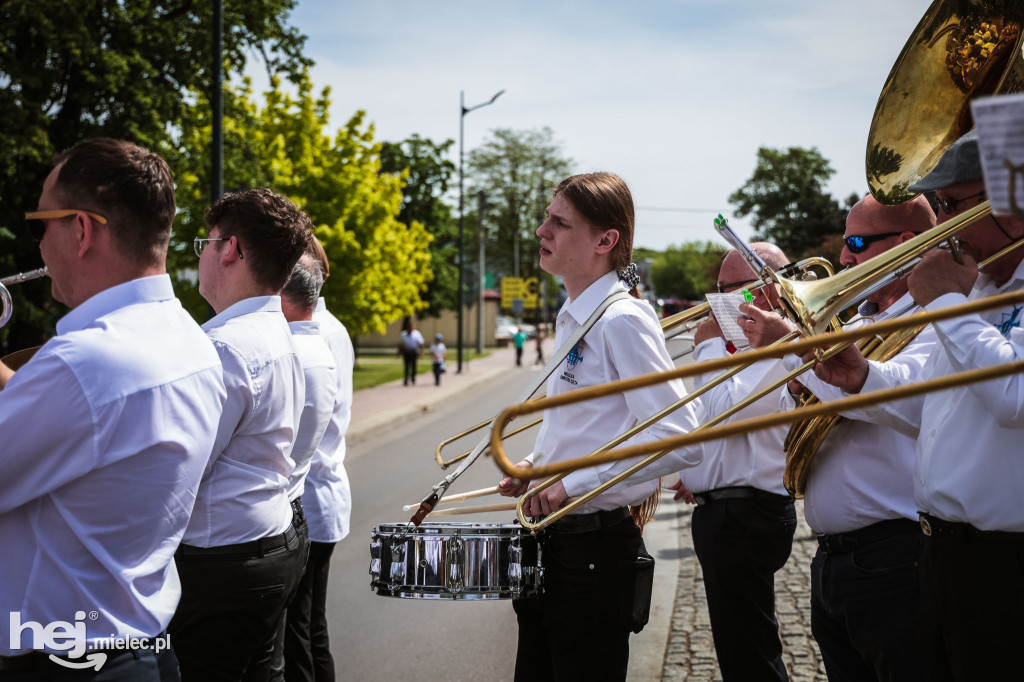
(427, 505)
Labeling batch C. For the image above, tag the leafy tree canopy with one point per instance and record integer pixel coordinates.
(687, 271)
(429, 177)
(73, 70)
(786, 200)
(379, 265)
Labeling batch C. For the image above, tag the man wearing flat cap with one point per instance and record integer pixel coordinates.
(969, 470)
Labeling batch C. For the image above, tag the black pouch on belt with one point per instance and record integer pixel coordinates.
(636, 606)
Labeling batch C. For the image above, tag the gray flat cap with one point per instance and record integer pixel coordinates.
(960, 163)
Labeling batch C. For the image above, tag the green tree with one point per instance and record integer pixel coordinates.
(379, 265)
(517, 170)
(687, 271)
(786, 200)
(72, 70)
(429, 176)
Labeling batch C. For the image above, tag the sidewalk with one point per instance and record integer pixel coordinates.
(373, 408)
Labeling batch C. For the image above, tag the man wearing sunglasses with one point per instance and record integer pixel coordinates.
(744, 521)
(106, 431)
(859, 489)
(968, 473)
(239, 558)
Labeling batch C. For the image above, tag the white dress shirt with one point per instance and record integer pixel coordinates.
(243, 495)
(106, 432)
(327, 501)
(863, 473)
(625, 342)
(321, 386)
(969, 464)
(753, 459)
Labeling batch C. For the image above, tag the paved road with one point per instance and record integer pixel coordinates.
(380, 638)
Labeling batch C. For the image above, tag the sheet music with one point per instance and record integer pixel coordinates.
(726, 310)
(1000, 122)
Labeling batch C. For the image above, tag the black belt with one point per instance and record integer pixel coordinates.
(253, 548)
(742, 492)
(39, 661)
(937, 528)
(586, 523)
(836, 543)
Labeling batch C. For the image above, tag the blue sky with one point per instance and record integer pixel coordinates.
(675, 96)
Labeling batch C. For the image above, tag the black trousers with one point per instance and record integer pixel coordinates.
(577, 629)
(864, 605)
(410, 357)
(740, 544)
(292, 632)
(232, 600)
(307, 646)
(972, 599)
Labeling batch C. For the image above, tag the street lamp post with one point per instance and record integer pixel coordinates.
(463, 110)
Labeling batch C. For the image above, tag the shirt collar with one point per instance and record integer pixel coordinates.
(587, 302)
(305, 327)
(144, 290)
(256, 304)
(321, 305)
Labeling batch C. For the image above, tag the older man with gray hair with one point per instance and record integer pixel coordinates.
(744, 521)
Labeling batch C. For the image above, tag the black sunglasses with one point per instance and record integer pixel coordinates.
(858, 242)
(729, 285)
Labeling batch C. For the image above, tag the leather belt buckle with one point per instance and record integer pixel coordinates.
(926, 527)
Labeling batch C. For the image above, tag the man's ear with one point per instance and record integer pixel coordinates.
(607, 241)
(84, 231)
(232, 253)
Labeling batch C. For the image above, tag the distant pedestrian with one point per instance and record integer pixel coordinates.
(410, 347)
(439, 353)
(519, 339)
(540, 345)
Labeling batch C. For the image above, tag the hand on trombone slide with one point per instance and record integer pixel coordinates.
(940, 273)
(545, 502)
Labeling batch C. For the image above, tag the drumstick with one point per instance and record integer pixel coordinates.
(506, 506)
(482, 492)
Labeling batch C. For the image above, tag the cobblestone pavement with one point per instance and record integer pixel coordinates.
(690, 654)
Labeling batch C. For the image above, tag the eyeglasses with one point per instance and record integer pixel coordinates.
(731, 285)
(859, 242)
(37, 219)
(949, 206)
(199, 244)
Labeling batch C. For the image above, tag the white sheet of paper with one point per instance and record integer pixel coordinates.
(1000, 122)
(726, 310)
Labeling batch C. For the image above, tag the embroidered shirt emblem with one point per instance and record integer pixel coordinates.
(1009, 321)
(575, 356)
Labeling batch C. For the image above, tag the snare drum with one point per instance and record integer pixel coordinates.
(454, 561)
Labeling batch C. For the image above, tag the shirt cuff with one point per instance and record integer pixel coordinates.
(710, 349)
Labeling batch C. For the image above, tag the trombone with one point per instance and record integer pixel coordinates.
(682, 322)
(812, 305)
(656, 449)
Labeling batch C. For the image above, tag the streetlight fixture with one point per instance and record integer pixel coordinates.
(463, 110)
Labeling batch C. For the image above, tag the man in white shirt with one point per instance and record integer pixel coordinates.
(327, 500)
(596, 571)
(292, 658)
(239, 557)
(745, 519)
(859, 492)
(106, 430)
(968, 473)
